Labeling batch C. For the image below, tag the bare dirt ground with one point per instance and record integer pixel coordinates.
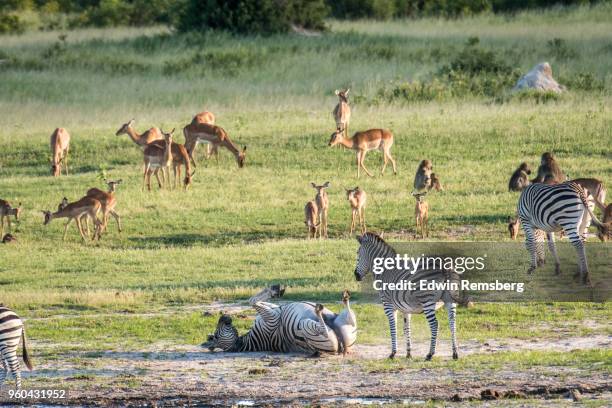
(183, 376)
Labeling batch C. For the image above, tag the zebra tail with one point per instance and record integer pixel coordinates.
(26, 355)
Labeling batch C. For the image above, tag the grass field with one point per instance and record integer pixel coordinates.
(237, 230)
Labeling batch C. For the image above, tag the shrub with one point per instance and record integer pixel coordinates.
(252, 16)
(474, 60)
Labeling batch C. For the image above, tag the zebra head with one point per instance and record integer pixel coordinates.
(225, 337)
(370, 245)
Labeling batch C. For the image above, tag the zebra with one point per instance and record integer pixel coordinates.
(302, 327)
(408, 302)
(546, 209)
(11, 332)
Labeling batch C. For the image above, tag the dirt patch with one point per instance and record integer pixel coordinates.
(187, 374)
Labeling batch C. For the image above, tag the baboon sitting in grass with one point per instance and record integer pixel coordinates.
(549, 171)
(520, 178)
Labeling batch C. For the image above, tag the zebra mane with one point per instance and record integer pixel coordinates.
(371, 237)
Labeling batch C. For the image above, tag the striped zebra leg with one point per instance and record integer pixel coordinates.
(390, 312)
(553, 250)
(3, 369)
(407, 334)
(452, 314)
(430, 314)
(10, 357)
(575, 239)
(530, 243)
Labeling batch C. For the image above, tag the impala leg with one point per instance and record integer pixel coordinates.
(363, 154)
(388, 154)
(66, 160)
(352, 227)
(117, 218)
(144, 176)
(66, 228)
(2, 225)
(363, 222)
(384, 166)
(159, 183)
(80, 227)
(358, 164)
(8, 221)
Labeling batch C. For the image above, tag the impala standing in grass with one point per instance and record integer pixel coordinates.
(342, 111)
(6, 210)
(363, 142)
(216, 136)
(143, 138)
(322, 201)
(156, 159)
(108, 201)
(60, 145)
(357, 199)
(86, 206)
(209, 119)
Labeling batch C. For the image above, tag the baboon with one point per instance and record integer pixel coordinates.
(8, 238)
(549, 171)
(513, 227)
(520, 179)
(435, 183)
(422, 179)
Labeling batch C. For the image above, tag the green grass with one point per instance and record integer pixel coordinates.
(238, 230)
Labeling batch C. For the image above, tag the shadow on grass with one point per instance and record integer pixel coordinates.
(190, 240)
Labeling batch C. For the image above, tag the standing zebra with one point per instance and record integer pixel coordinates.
(551, 208)
(11, 332)
(408, 301)
(292, 327)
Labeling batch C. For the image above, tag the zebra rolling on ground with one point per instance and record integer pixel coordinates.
(12, 332)
(293, 327)
(544, 208)
(408, 302)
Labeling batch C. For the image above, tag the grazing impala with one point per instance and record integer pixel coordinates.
(142, 139)
(363, 142)
(342, 111)
(6, 210)
(108, 201)
(216, 136)
(357, 199)
(421, 214)
(86, 206)
(156, 159)
(322, 201)
(60, 145)
(207, 118)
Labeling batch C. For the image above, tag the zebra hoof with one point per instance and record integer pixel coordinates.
(392, 355)
(455, 356)
(530, 270)
(429, 356)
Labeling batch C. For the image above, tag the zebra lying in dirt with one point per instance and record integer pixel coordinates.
(293, 327)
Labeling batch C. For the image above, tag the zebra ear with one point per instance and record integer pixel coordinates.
(359, 238)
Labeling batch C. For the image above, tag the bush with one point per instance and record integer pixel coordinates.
(252, 16)
(474, 60)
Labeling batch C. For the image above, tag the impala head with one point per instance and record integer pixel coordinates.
(224, 337)
(513, 227)
(607, 221)
(343, 94)
(168, 135)
(241, 158)
(16, 211)
(365, 259)
(124, 128)
(350, 192)
(336, 137)
(321, 187)
(48, 216)
(188, 179)
(112, 184)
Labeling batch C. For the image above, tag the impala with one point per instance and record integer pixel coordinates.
(215, 135)
(363, 142)
(311, 213)
(6, 210)
(342, 111)
(421, 214)
(357, 199)
(60, 145)
(180, 156)
(86, 206)
(322, 201)
(156, 159)
(108, 201)
(206, 118)
(142, 139)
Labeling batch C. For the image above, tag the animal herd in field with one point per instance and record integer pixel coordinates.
(548, 204)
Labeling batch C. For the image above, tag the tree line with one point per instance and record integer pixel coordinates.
(240, 16)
